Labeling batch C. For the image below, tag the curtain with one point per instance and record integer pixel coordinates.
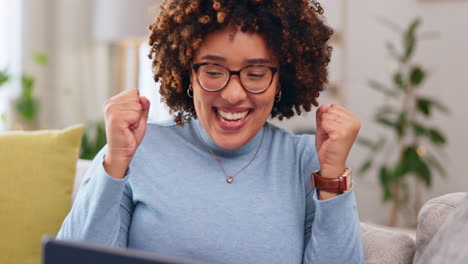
(77, 79)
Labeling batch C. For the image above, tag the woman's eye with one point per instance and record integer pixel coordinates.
(256, 75)
(214, 73)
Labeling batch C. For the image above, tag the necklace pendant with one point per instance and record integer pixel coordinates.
(229, 179)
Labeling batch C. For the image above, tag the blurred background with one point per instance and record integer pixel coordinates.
(400, 66)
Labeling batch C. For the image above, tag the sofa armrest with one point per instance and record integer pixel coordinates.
(431, 217)
(383, 245)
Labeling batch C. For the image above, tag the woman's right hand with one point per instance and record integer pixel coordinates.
(126, 115)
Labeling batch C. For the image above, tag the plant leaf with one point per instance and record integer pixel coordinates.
(363, 141)
(384, 178)
(387, 193)
(419, 129)
(385, 110)
(382, 88)
(365, 166)
(384, 121)
(436, 136)
(4, 77)
(392, 51)
(398, 80)
(424, 173)
(93, 141)
(4, 118)
(27, 84)
(40, 58)
(410, 39)
(411, 162)
(417, 75)
(401, 124)
(391, 25)
(398, 125)
(427, 102)
(101, 136)
(411, 159)
(84, 150)
(27, 108)
(408, 162)
(424, 106)
(432, 161)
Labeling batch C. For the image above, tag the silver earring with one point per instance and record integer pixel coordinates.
(278, 96)
(190, 91)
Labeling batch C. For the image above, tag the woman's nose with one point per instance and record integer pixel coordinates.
(234, 93)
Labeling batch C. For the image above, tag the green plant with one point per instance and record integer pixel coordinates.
(406, 112)
(93, 140)
(4, 77)
(26, 105)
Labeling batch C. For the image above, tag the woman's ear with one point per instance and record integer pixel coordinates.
(278, 87)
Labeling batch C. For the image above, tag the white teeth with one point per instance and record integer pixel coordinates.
(232, 116)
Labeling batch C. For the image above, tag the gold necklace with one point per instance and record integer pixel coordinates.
(229, 178)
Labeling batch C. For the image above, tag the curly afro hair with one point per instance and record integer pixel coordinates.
(294, 30)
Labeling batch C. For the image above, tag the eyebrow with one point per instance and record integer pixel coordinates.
(222, 59)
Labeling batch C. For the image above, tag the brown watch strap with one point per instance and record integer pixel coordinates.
(334, 185)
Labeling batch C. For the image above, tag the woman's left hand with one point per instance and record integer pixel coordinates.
(337, 129)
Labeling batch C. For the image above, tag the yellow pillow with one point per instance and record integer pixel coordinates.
(36, 176)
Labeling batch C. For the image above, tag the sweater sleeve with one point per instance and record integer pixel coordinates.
(332, 231)
(102, 210)
(335, 234)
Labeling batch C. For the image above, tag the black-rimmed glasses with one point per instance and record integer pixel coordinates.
(254, 78)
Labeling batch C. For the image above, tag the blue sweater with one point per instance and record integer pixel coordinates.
(175, 201)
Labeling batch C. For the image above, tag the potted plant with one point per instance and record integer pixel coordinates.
(405, 160)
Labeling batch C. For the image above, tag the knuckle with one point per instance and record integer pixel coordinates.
(139, 107)
(358, 124)
(133, 116)
(133, 93)
(108, 107)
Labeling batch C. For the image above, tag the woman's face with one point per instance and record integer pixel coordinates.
(233, 116)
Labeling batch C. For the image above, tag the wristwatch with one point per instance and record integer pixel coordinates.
(334, 185)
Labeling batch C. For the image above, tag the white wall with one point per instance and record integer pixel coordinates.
(447, 60)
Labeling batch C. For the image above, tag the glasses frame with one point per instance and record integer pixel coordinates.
(197, 66)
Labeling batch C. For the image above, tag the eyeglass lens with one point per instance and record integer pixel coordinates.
(253, 78)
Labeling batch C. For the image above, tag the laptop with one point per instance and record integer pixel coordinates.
(60, 252)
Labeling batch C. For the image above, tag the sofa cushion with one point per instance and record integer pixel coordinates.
(37, 173)
(443, 230)
(386, 246)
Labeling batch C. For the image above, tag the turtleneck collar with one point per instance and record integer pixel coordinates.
(205, 140)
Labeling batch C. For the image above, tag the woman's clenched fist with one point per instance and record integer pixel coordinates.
(337, 129)
(126, 115)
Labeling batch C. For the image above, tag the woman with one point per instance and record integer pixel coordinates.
(222, 185)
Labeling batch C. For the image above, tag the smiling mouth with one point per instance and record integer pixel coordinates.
(231, 117)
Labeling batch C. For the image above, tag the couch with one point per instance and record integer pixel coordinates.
(383, 245)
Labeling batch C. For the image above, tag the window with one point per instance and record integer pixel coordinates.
(10, 57)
